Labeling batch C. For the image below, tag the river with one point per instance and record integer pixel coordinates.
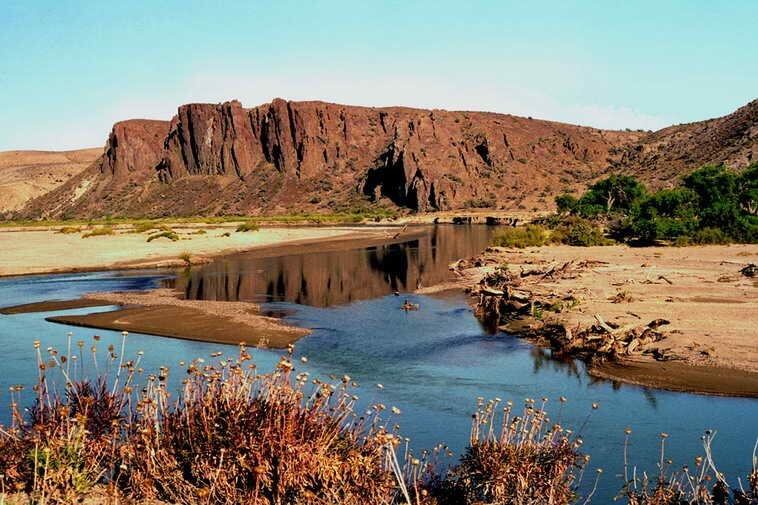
(433, 363)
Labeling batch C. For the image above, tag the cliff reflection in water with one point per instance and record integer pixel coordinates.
(332, 277)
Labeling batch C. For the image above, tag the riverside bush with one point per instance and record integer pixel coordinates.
(100, 232)
(530, 235)
(713, 204)
(572, 231)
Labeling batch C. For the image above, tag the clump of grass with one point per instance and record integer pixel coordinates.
(247, 226)
(169, 234)
(515, 459)
(186, 257)
(530, 235)
(701, 485)
(579, 232)
(67, 230)
(100, 232)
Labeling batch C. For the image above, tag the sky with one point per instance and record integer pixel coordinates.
(70, 69)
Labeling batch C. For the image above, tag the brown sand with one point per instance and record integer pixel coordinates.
(50, 306)
(160, 312)
(47, 251)
(713, 310)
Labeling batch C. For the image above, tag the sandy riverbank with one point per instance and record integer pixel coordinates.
(711, 343)
(48, 251)
(161, 312)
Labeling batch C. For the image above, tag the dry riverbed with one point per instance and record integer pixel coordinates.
(610, 295)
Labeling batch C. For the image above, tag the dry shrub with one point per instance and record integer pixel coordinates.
(233, 436)
(66, 445)
(169, 234)
(67, 230)
(701, 485)
(248, 226)
(239, 437)
(515, 460)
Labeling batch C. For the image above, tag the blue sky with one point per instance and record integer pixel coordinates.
(69, 69)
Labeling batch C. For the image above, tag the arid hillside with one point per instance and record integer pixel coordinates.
(662, 156)
(25, 175)
(314, 156)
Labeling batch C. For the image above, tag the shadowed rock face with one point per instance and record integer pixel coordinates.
(305, 156)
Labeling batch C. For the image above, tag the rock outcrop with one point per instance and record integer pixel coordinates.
(309, 156)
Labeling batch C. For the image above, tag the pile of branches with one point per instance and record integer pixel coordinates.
(505, 296)
(607, 341)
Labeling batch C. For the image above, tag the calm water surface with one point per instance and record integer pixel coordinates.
(433, 363)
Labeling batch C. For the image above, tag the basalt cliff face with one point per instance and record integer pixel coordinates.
(309, 156)
(306, 156)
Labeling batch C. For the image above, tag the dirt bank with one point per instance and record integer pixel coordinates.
(160, 312)
(604, 299)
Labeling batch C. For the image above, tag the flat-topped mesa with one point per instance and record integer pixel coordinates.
(419, 159)
(312, 156)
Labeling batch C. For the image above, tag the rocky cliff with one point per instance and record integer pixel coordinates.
(286, 156)
(308, 156)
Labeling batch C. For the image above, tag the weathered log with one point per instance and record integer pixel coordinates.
(486, 290)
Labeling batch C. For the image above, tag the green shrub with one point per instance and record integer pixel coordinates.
(566, 203)
(583, 233)
(531, 235)
(710, 236)
(248, 226)
(169, 234)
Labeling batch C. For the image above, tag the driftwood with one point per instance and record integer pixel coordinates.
(505, 296)
(750, 270)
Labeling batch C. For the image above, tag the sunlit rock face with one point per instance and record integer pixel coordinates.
(282, 156)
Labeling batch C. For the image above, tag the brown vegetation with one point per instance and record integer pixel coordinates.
(235, 435)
